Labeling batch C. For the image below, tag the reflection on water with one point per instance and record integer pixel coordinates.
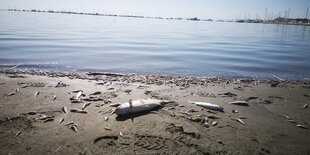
(64, 42)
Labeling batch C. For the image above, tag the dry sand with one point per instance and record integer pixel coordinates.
(165, 130)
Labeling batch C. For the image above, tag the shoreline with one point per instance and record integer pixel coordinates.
(32, 119)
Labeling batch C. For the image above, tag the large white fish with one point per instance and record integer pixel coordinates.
(137, 106)
(208, 105)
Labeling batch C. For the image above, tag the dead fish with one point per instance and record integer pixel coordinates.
(214, 123)
(121, 134)
(302, 126)
(74, 91)
(36, 94)
(110, 88)
(48, 120)
(241, 103)
(115, 105)
(70, 123)
(195, 119)
(208, 106)
(95, 93)
(285, 116)
(106, 118)
(291, 121)
(242, 117)
(64, 109)
(78, 111)
(10, 94)
(86, 105)
(61, 120)
(17, 89)
(73, 127)
(213, 117)
(76, 101)
(206, 124)
(79, 95)
(139, 106)
(54, 97)
(31, 113)
(220, 142)
(44, 117)
(107, 128)
(305, 106)
(240, 121)
(18, 133)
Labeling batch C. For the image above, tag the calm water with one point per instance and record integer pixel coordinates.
(79, 43)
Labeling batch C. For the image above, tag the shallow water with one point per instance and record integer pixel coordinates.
(79, 43)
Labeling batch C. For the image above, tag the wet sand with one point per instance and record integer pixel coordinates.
(275, 109)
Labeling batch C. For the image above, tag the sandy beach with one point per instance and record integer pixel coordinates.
(276, 121)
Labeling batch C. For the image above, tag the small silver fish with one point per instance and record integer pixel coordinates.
(36, 94)
(242, 117)
(79, 95)
(64, 109)
(86, 105)
(18, 133)
(121, 134)
(106, 118)
(70, 123)
(17, 89)
(10, 94)
(73, 127)
(302, 126)
(54, 97)
(305, 106)
(61, 120)
(214, 123)
(48, 120)
(95, 93)
(285, 116)
(240, 121)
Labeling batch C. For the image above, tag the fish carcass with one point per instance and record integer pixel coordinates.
(137, 106)
(208, 105)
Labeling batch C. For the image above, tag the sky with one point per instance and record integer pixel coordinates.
(205, 9)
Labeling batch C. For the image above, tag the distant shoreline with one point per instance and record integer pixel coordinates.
(281, 21)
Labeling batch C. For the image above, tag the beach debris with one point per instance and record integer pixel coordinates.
(86, 105)
(10, 94)
(305, 106)
(206, 124)
(61, 120)
(240, 103)
(70, 123)
(208, 105)
(242, 117)
(36, 93)
(191, 110)
(100, 83)
(106, 118)
(95, 93)
(61, 84)
(234, 111)
(240, 121)
(302, 126)
(64, 109)
(213, 117)
(48, 120)
(78, 111)
(54, 97)
(214, 123)
(17, 89)
(139, 106)
(115, 105)
(18, 133)
(78, 95)
(195, 119)
(121, 134)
